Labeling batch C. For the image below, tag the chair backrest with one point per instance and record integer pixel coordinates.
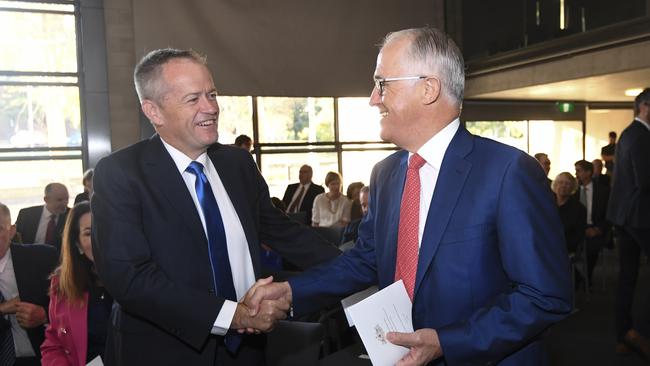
(294, 343)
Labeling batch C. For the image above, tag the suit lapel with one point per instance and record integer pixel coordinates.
(164, 175)
(395, 187)
(451, 180)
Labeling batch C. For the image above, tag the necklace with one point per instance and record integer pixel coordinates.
(333, 204)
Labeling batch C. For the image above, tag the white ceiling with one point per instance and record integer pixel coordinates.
(604, 88)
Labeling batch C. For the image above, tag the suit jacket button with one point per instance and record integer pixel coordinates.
(211, 290)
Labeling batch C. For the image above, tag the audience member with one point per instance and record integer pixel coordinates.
(629, 211)
(594, 197)
(599, 177)
(177, 224)
(24, 272)
(608, 152)
(352, 194)
(244, 142)
(299, 197)
(331, 209)
(351, 231)
(572, 213)
(88, 187)
(545, 162)
(482, 259)
(78, 301)
(44, 224)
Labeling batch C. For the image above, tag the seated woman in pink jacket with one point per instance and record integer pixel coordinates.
(79, 306)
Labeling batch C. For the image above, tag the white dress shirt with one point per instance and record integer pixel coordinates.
(9, 289)
(241, 264)
(42, 226)
(302, 198)
(433, 151)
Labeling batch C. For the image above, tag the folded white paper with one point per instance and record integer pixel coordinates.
(388, 310)
(355, 298)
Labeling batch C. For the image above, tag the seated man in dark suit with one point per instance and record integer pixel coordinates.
(299, 197)
(44, 224)
(594, 197)
(24, 282)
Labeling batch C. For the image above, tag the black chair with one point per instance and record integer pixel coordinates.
(294, 343)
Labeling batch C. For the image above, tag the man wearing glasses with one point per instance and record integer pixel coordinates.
(467, 223)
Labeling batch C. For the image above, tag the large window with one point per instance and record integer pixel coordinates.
(329, 134)
(560, 140)
(40, 124)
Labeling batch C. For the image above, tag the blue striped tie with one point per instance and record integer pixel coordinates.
(217, 245)
(7, 351)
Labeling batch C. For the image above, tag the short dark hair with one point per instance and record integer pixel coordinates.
(242, 139)
(147, 71)
(585, 165)
(643, 97)
(612, 134)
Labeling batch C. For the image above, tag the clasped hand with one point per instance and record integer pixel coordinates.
(256, 313)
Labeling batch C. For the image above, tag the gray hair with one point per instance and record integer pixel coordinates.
(4, 211)
(146, 75)
(435, 50)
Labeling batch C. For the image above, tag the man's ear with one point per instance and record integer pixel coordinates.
(152, 111)
(432, 89)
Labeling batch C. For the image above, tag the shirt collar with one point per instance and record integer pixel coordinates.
(433, 151)
(181, 160)
(645, 123)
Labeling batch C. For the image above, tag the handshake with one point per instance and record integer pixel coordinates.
(263, 306)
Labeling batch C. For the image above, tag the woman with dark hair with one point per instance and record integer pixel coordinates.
(353, 195)
(79, 305)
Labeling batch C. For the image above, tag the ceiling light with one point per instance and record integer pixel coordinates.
(633, 92)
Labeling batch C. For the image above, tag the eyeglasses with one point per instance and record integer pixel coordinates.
(379, 83)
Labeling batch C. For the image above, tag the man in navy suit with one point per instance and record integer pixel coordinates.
(629, 211)
(177, 225)
(480, 246)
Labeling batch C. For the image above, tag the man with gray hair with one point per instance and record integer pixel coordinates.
(43, 224)
(465, 222)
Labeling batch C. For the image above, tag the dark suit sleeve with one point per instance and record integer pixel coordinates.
(534, 258)
(638, 154)
(125, 263)
(288, 194)
(293, 241)
(21, 227)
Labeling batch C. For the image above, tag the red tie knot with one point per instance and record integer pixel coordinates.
(416, 162)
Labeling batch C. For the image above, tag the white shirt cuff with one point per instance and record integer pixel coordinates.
(224, 319)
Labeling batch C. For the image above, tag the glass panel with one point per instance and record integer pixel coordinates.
(23, 182)
(511, 133)
(32, 116)
(358, 121)
(279, 170)
(38, 79)
(560, 140)
(38, 42)
(36, 6)
(295, 119)
(41, 154)
(235, 118)
(599, 123)
(357, 165)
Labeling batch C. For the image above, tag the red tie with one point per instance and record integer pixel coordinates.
(51, 229)
(294, 204)
(409, 222)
